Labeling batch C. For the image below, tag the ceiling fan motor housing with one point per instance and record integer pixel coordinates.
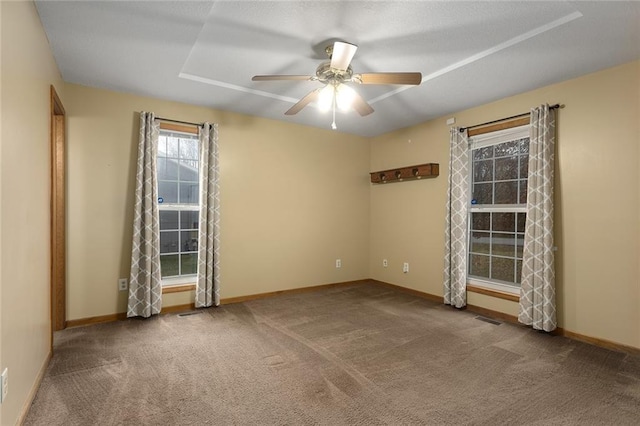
(326, 74)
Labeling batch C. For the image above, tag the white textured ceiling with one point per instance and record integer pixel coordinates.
(205, 53)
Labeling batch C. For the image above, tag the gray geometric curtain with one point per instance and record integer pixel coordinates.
(537, 292)
(208, 284)
(455, 261)
(145, 288)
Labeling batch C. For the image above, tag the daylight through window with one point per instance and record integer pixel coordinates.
(498, 208)
(178, 205)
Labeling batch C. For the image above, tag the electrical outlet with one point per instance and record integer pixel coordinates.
(385, 263)
(123, 284)
(405, 267)
(338, 263)
(4, 384)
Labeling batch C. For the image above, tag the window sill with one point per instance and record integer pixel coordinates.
(178, 288)
(493, 293)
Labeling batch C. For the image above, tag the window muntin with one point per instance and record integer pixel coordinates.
(498, 208)
(178, 205)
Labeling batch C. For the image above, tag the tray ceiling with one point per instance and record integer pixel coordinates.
(205, 53)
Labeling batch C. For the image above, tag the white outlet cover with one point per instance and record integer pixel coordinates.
(385, 263)
(123, 284)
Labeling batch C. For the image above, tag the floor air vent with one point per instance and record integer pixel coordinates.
(489, 320)
(187, 314)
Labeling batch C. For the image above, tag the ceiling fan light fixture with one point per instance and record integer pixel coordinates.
(345, 96)
(325, 97)
(334, 73)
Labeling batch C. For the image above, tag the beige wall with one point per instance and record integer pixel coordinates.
(293, 199)
(28, 69)
(597, 202)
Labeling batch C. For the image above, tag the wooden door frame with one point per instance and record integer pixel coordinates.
(58, 214)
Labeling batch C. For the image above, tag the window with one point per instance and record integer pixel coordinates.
(178, 205)
(498, 208)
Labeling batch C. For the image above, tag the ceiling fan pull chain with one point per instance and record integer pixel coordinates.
(333, 125)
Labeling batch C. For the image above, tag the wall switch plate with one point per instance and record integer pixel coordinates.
(385, 263)
(405, 267)
(338, 263)
(4, 384)
(123, 284)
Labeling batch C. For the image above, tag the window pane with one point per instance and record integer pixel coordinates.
(189, 170)
(479, 154)
(482, 193)
(169, 242)
(503, 244)
(167, 169)
(168, 219)
(189, 219)
(519, 245)
(189, 149)
(522, 217)
(162, 146)
(189, 241)
(504, 222)
(523, 192)
(169, 265)
(172, 147)
(480, 221)
(502, 269)
(524, 145)
(507, 149)
(189, 264)
(524, 167)
(518, 271)
(479, 242)
(507, 168)
(189, 193)
(482, 170)
(479, 265)
(506, 192)
(168, 191)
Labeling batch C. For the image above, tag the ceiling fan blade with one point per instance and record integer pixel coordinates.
(361, 105)
(414, 78)
(342, 55)
(310, 97)
(281, 77)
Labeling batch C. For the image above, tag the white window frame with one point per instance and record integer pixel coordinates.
(478, 142)
(177, 280)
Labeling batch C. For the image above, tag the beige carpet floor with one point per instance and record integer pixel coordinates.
(355, 355)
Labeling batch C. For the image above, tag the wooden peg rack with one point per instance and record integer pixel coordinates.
(421, 171)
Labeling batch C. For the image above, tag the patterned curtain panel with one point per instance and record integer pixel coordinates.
(455, 261)
(208, 286)
(145, 288)
(537, 294)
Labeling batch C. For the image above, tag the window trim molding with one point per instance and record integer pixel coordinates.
(498, 137)
(171, 127)
(524, 121)
(493, 293)
(178, 288)
(493, 287)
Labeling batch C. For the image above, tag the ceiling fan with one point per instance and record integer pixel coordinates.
(334, 73)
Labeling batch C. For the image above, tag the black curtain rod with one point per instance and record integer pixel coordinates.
(180, 122)
(462, 129)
